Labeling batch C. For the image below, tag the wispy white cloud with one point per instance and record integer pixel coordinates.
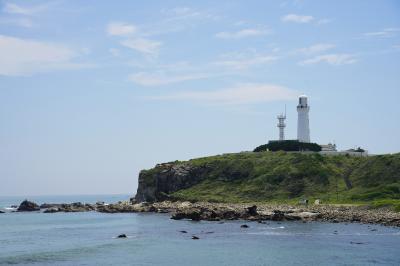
(332, 59)
(250, 32)
(13, 8)
(120, 29)
(142, 45)
(178, 19)
(316, 48)
(237, 95)
(385, 33)
(244, 60)
(133, 38)
(297, 18)
(22, 57)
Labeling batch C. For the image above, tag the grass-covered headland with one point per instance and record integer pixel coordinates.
(280, 177)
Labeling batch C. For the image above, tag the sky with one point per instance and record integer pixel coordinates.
(92, 92)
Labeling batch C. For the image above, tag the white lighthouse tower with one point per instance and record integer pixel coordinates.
(303, 123)
(282, 125)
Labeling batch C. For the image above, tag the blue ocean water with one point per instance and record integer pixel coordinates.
(154, 239)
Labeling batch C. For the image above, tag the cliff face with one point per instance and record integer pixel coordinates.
(156, 184)
(276, 176)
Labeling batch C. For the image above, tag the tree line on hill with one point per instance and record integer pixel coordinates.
(288, 145)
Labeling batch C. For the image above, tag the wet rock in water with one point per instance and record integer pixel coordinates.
(2, 211)
(52, 210)
(122, 236)
(183, 232)
(195, 237)
(27, 206)
(252, 211)
(14, 206)
(244, 226)
(373, 230)
(356, 243)
(193, 215)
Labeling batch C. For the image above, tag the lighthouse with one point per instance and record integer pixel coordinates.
(303, 124)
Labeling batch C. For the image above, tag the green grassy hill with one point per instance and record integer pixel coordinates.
(276, 177)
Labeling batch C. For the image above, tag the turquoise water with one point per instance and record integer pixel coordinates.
(154, 239)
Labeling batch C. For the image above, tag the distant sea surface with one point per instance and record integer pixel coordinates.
(89, 238)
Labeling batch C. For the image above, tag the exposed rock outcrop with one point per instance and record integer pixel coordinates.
(156, 184)
(27, 206)
(223, 211)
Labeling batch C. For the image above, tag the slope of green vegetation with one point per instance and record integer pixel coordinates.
(289, 177)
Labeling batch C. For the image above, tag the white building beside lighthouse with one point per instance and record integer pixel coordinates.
(303, 123)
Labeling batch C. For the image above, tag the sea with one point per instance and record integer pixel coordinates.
(90, 238)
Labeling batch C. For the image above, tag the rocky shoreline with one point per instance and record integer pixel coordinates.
(222, 211)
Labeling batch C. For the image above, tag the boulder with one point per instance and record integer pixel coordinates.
(252, 211)
(122, 236)
(244, 226)
(2, 211)
(194, 215)
(277, 215)
(27, 206)
(195, 237)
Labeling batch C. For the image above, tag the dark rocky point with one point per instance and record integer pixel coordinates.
(27, 206)
(122, 236)
(195, 237)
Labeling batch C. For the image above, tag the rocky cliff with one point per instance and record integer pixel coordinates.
(158, 183)
(273, 176)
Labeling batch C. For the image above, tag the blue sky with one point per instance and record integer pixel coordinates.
(91, 92)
